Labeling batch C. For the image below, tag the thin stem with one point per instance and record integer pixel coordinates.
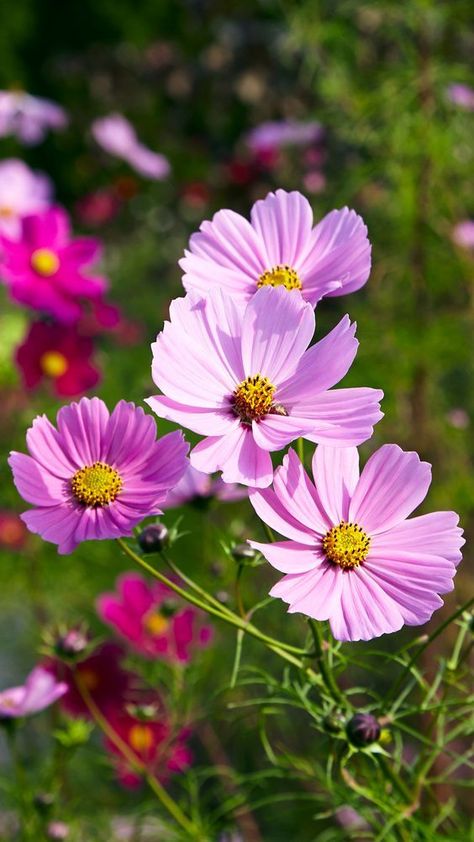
(238, 592)
(300, 450)
(194, 585)
(395, 779)
(163, 796)
(326, 673)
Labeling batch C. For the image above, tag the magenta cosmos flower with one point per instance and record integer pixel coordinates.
(28, 117)
(48, 270)
(241, 376)
(279, 247)
(39, 691)
(22, 192)
(118, 137)
(353, 558)
(98, 474)
(58, 354)
(197, 489)
(278, 133)
(148, 617)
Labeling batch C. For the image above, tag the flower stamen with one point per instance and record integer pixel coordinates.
(96, 485)
(253, 398)
(346, 545)
(45, 262)
(53, 363)
(280, 276)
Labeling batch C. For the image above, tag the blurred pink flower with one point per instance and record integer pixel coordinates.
(197, 488)
(463, 234)
(98, 474)
(39, 691)
(140, 613)
(279, 247)
(47, 269)
(273, 135)
(29, 117)
(353, 558)
(314, 181)
(118, 137)
(59, 354)
(13, 531)
(243, 377)
(99, 207)
(22, 192)
(461, 95)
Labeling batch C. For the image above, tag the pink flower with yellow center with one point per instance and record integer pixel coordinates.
(39, 691)
(353, 557)
(22, 192)
(60, 355)
(47, 270)
(242, 376)
(29, 117)
(98, 474)
(279, 247)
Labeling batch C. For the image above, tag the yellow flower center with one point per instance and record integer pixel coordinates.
(140, 737)
(6, 212)
(346, 545)
(253, 398)
(53, 363)
(156, 624)
(96, 485)
(280, 276)
(45, 262)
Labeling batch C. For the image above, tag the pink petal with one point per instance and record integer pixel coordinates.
(436, 534)
(315, 594)
(274, 432)
(83, 250)
(237, 455)
(47, 447)
(230, 242)
(298, 495)
(56, 524)
(202, 275)
(283, 223)
(342, 417)
(34, 482)
(364, 611)
(82, 428)
(202, 421)
(289, 557)
(339, 251)
(336, 473)
(271, 510)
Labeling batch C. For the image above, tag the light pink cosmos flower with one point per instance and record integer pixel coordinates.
(22, 192)
(118, 137)
(198, 488)
(278, 133)
(353, 558)
(39, 691)
(98, 474)
(461, 95)
(47, 269)
(279, 247)
(28, 117)
(463, 234)
(241, 376)
(139, 613)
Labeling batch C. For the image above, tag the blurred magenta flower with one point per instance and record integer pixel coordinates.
(461, 95)
(273, 135)
(47, 269)
(241, 376)
(97, 208)
(353, 558)
(152, 741)
(279, 247)
(463, 234)
(60, 354)
(197, 488)
(22, 192)
(12, 531)
(148, 617)
(39, 691)
(101, 673)
(98, 474)
(118, 137)
(28, 117)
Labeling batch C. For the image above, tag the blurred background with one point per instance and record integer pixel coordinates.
(382, 89)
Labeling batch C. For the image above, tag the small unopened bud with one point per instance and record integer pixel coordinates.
(333, 723)
(363, 729)
(71, 643)
(153, 538)
(145, 712)
(243, 552)
(222, 596)
(57, 831)
(43, 801)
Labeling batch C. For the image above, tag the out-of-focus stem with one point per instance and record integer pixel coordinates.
(326, 673)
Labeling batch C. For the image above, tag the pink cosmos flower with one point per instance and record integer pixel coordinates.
(241, 376)
(48, 270)
(118, 137)
(353, 558)
(140, 613)
(273, 135)
(463, 234)
(29, 117)
(39, 691)
(279, 247)
(59, 354)
(98, 474)
(461, 95)
(153, 742)
(22, 192)
(197, 489)
(101, 673)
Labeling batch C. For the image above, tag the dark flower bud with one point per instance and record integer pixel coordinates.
(169, 607)
(333, 723)
(363, 729)
(243, 552)
(43, 801)
(153, 538)
(57, 831)
(71, 643)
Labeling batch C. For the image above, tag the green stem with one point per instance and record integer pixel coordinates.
(300, 450)
(395, 779)
(326, 673)
(163, 796)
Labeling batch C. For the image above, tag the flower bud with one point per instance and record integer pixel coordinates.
(243, 552)
(153, 538)
(70, 644)
(333, 723)
(363, 729)
(43, 801)
(57, 831)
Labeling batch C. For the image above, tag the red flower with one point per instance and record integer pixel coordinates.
(60, 354)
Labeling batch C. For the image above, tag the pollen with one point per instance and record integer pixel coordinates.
(156, 624)
(346, 545)
(45, 262)
(96, 485)
(253, 398)
(53, 363)
(280, 276)
(140, 737)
